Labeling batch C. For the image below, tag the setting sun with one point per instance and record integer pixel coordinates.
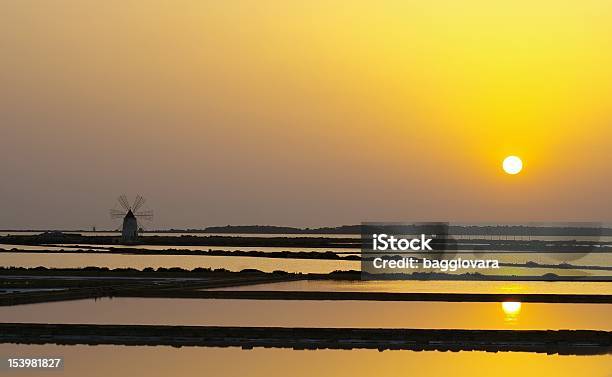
(513, 165)
(511, 307)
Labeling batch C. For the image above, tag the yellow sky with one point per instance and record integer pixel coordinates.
(306, 113)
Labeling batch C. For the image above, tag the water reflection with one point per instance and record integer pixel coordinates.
(118, 361)
(368, 314)
(233, 263)
(432, 286)
(511, 309)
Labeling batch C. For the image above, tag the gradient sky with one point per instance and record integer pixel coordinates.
(304, 113)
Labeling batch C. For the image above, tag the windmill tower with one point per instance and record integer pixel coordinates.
(130, 213)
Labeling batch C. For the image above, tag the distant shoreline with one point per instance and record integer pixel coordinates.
(345, 275)
(446, 244)
(459, 230)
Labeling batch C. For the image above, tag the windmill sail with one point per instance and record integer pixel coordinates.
(138, 202)
(131, 213)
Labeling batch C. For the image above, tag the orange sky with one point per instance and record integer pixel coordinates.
(304, 113)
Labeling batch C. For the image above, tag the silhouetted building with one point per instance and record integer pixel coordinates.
(129, 232)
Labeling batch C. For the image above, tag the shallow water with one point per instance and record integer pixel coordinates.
(507, 256)
(232, 263)
(432, 286)
(56, 259)
(337, 250)
(288, 313)
(119, 361)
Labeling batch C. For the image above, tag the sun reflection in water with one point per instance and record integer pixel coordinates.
(511, 309)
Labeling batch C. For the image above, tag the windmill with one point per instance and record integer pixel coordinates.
(130, 213)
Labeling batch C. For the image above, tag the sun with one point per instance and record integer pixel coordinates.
(511, 307)
(512, 165)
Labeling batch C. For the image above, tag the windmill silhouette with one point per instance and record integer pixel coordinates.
(131, 213)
